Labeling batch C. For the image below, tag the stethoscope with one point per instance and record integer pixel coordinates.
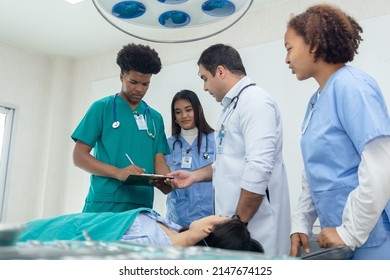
(232, 108)
(313, 102)
(116, 123)
(205, 155)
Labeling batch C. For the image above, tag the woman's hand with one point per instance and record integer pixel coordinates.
(328, 237)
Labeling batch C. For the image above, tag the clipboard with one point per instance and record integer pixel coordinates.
(143, 179)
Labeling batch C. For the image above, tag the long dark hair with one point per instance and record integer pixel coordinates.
(231, 235)
(200, 120)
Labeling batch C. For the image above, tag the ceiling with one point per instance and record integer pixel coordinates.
(56, 28)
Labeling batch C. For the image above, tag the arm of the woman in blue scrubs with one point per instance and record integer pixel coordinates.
(366, 203)
(302, 220)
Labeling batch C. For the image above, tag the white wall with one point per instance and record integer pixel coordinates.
(52, 94)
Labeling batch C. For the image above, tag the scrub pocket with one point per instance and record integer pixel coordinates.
(330, 205)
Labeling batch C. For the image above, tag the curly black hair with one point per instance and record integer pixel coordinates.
(335, 34)
(138, 58)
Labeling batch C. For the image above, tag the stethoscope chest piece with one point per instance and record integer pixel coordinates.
(115, 124)
(206, 155)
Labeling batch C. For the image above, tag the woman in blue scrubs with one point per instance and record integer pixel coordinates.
(192, 147)
(345, 139)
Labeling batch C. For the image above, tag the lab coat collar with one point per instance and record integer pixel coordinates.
(234, 91)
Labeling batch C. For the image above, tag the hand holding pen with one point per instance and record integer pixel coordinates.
(132, 168)
(131, 161)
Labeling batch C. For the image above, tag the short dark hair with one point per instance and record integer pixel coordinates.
(232, 235)
(325, 26)
(200, 119)
(224, 55)
(138, 58)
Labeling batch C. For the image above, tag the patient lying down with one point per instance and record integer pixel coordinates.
(144, 226)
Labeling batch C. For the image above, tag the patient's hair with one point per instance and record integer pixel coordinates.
(231, 235)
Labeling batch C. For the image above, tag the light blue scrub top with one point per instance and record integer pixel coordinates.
(112, 144)
(195, 202)
(350, 112)
(147, 231)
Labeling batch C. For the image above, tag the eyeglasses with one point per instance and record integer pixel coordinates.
(205, 243)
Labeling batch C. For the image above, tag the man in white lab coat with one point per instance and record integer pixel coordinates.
(249, 176)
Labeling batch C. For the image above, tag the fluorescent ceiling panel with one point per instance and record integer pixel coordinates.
(73, 1)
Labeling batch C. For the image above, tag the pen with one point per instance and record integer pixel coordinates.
(130, 159)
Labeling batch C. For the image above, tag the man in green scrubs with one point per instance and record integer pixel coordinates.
(126, 135)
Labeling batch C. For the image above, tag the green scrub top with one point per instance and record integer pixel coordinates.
(110, 145)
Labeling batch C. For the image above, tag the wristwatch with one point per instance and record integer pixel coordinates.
(236, 217)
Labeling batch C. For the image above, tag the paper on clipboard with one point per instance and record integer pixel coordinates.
(143, 179)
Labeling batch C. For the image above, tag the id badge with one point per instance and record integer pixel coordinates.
(221, 136)
(186, 161)
(140, 120)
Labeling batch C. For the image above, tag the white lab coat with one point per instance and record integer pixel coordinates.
(251, 159)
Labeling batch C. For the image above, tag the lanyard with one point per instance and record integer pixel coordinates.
(229, 112)
(231, 108)
(143, 119)
(313, 101)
